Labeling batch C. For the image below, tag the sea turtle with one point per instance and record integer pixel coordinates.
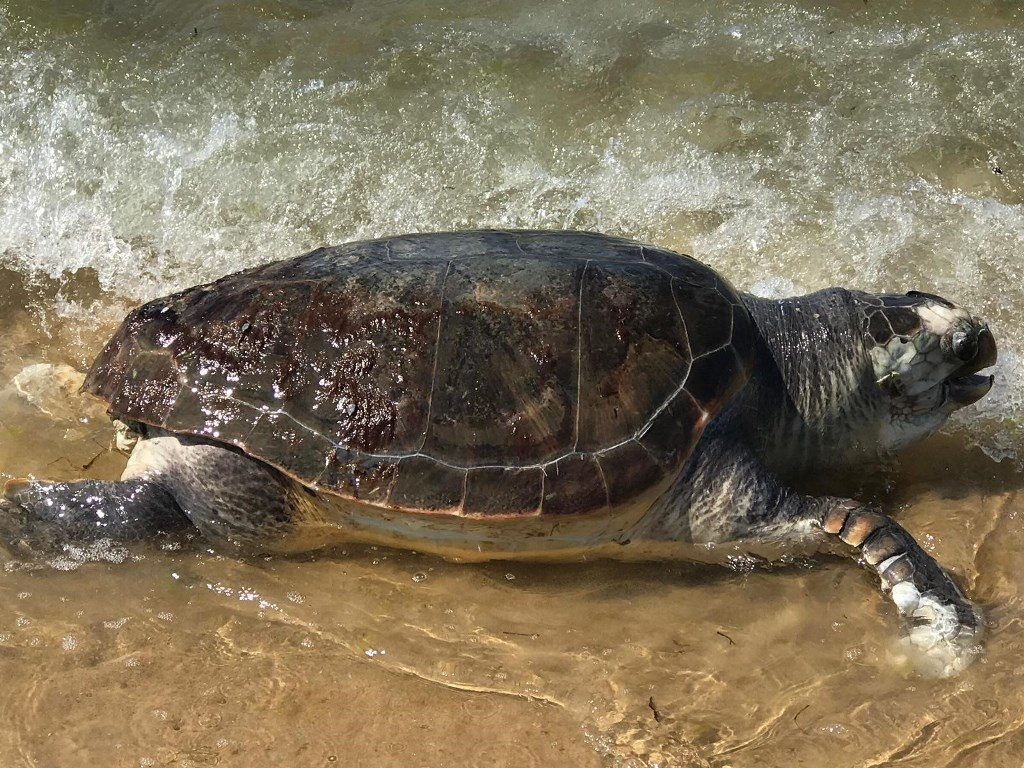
(513, 394)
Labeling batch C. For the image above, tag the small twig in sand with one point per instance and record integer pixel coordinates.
(80, 467)
(654, 708)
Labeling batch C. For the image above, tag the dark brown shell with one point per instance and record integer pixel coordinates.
(473, 373)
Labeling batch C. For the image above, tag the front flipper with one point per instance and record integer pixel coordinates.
(945, 626)
(39, 517)
(726, 494)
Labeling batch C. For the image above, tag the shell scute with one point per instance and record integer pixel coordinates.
(707, 374)
(878, 327)
(503, 388)
(359, 476)
(503, 491)
(634, 351)
(572, 482)
(671, 430)
(628, 469)
(706, 314)
(302, 451)
(425, 483)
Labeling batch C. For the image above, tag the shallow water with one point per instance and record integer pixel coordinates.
(149, 146)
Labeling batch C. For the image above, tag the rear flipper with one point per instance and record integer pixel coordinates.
(170, 484)
(41, 517)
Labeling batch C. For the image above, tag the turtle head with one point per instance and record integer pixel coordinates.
(926, 354)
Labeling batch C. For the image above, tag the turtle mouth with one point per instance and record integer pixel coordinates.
(968, 386)
(969, 389)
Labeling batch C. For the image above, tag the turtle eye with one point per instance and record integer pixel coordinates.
(965, 345)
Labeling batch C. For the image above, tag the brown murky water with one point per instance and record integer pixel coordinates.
(148, 146)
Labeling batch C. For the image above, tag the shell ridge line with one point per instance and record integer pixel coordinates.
(460, 467)
(732, 314)
(333, 455)
(259, 420)
(535, 465)
(719, 348)
(579, 354)
(437, 349)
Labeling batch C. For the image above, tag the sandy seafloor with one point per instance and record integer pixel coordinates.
(146, 146)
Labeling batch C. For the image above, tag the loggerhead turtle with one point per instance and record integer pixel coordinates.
(511, 394)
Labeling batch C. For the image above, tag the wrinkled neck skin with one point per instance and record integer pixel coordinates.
(811, 402)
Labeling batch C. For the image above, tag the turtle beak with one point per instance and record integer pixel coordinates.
(965, 390)
(968, 386)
